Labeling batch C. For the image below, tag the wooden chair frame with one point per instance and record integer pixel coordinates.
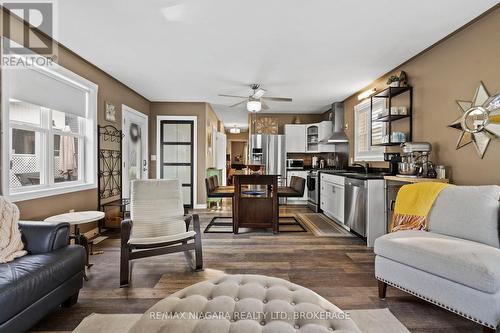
(131, 251)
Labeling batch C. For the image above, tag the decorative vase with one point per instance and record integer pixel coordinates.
(394, 84)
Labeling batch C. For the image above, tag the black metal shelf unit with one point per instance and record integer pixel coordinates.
(389, 93)
(109, 157)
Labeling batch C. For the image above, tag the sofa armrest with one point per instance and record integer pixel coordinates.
(43, 237)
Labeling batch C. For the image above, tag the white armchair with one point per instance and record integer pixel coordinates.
(157, 225)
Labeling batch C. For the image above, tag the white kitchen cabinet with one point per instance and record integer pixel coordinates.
(324, 133)
(331, 196)
(295, 138)
(301, 174)
(312, 138)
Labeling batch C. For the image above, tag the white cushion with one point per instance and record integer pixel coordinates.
(468, 212)
(156, 209)
(469, 263)
(234, 298)
(161, 239)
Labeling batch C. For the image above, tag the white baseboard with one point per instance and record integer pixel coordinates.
(200, 206)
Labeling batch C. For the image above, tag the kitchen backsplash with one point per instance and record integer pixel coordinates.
(307, 157)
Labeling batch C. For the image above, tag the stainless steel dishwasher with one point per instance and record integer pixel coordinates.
(355, 205)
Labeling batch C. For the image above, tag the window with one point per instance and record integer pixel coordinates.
(49, 136)
(363, 151)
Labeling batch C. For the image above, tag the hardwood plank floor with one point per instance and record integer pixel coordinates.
(339, 269)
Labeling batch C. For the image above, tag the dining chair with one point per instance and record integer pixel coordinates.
(158, 226)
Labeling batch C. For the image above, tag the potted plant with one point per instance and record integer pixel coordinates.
(393, 81)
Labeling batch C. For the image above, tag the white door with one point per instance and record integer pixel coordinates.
(220, 155)
(134, 147)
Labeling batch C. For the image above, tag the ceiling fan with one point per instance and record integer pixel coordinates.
(256, 101)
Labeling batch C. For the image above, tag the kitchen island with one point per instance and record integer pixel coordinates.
(255, 202)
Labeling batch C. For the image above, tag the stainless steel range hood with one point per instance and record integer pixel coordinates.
(337, 116)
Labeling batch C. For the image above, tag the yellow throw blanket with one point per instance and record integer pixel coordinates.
(413, 204)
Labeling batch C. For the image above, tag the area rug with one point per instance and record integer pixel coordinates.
(377, 321)
(321, 226)
(284, 225)
(368, 321)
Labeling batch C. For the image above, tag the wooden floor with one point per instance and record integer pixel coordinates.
(340, 269)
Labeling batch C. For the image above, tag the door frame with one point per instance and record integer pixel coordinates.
(194, 119)
(127, 109)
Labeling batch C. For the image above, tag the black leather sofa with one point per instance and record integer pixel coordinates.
(51, 274)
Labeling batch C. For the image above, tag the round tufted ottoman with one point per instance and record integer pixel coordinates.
(244, 304)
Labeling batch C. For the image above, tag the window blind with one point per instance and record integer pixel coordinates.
(364, 128)
(40, 88)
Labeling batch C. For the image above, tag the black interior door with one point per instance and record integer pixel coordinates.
(176, 155)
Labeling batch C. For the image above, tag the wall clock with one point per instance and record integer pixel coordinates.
(266, 125)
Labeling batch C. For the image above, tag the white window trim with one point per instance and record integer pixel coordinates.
(376, 154)
(89, 180)
(196, 205)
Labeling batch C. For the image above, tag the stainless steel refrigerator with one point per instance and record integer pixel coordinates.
(269, 150)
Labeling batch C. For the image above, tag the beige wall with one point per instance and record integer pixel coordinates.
(238, 148)
(242, 136)
(212, 124)
(110, 90)
(288, 118)
(449, 71)
(205, 116)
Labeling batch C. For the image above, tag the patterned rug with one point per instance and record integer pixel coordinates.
(321, 226)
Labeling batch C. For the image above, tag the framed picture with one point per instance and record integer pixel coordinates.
(110, 112)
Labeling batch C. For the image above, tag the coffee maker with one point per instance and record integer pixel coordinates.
(415, 160)
(393, 159)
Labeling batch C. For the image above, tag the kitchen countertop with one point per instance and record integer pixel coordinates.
(415, 180)
(356, 175)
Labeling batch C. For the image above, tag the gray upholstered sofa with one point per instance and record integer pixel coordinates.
(50, 274)
(456, 265)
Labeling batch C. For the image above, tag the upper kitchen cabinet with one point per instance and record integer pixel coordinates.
(312, 137)
(317, 137)
(295, 138)
(325, 131)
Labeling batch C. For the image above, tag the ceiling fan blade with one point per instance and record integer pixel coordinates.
(259, 93)
(222, 95)
(232, 106)
(277, 99)
(264, 105)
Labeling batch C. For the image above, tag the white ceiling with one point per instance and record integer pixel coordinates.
(316, 51)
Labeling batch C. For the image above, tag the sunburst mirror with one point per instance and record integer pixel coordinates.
(480, 120)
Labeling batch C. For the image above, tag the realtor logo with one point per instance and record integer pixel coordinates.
(26, 38)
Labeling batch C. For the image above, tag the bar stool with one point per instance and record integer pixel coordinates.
(216, 191)
(295, 190)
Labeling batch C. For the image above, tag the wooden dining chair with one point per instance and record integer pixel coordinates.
(157, 225)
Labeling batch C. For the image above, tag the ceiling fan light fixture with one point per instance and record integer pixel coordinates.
(254, 106)
(234, 130)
